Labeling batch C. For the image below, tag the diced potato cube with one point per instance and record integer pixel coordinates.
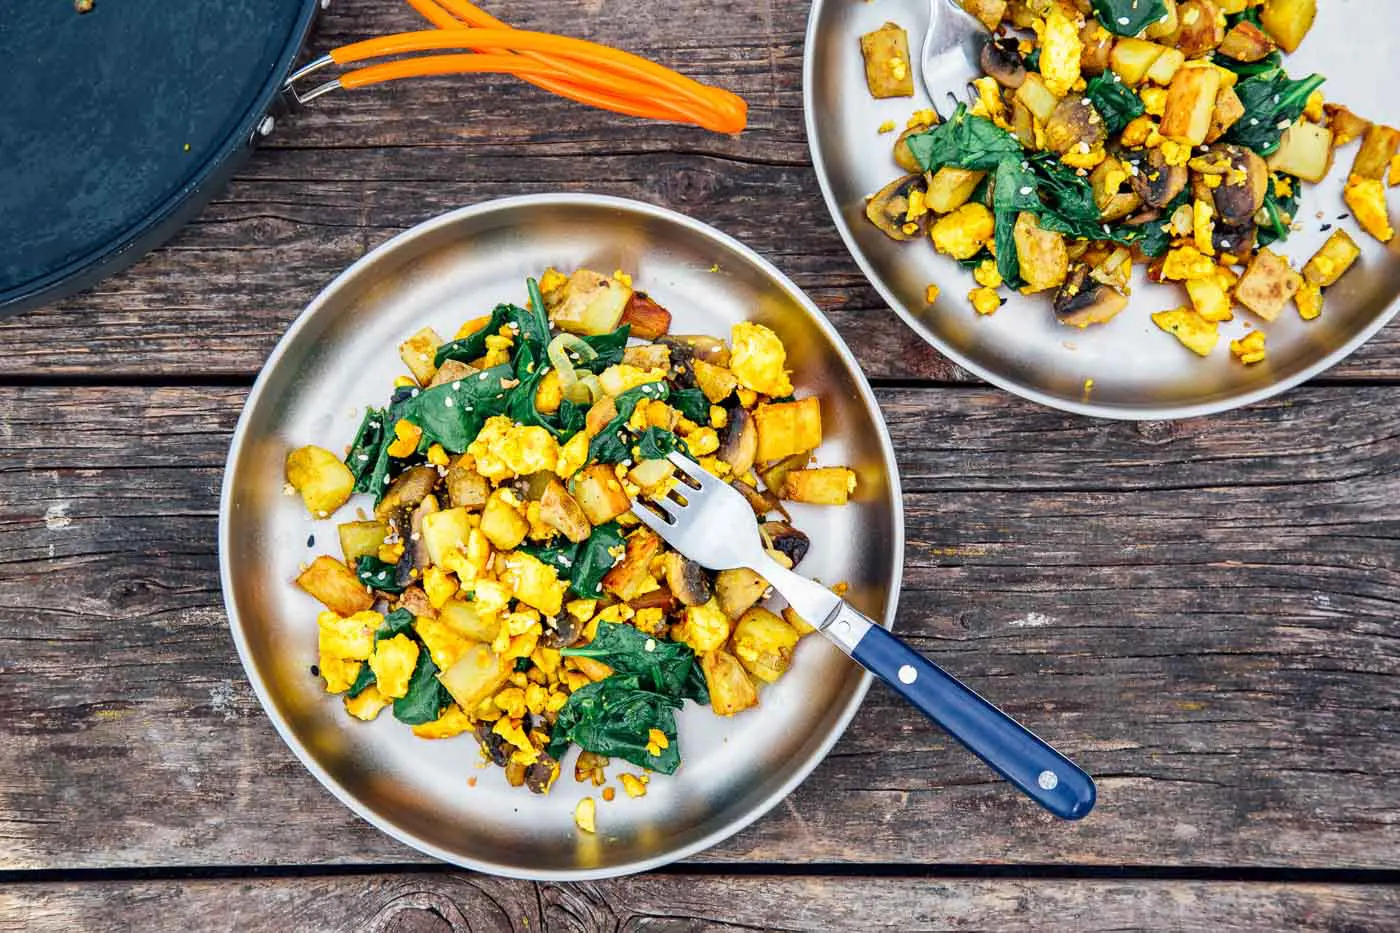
(324, 482)
(1190, 105)
(417, 353)
(738, 590)
(1166, 67)
(1379, 147)
(1202, 27)
(502, 522)
(1195, 332)
(822, 486)
(468, 620)
(360, 538)
(452, 371)
(764, 644)
(989, 12)
(466, 488)
(476, 676)
(335, 585)
(731, 690)
(951, 187)
(1268, 285)
(1345, 125)
(393, 662)
(1228, 111)
(1288, 21)
(888, 72)
(561, 511)
(600, 494)
(590, 303)
(1133, 58)
(631, 576)
(1366, 198)
(716, 382)
(445, 535)
(1043, 254)
(1037, 97)
(1333, 260)
(787, 428)
(648, 319)
(1305, 151)
(1246, 42)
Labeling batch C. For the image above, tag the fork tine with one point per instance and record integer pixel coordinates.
(653, 521)
(693, 470)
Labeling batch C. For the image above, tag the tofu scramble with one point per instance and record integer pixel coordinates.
(502, 586)
(1109, 134)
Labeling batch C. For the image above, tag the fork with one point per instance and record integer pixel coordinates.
(952, 48)
(711, 523)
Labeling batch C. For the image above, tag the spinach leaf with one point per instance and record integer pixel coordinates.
(367, 454)
(363, 681)
(1272, 103)
(1129, 17)
(1033, 60)
(614, 717)
(376, 574)
(398, 622)
(530, 372)
(655, 443)
(1013, 191)
(610, 446)
(1114, 101)
(452, 414)
(1154, 237)
(692, 404)
(584, 564)
(530, 327)
(661, 665)
(1281, 211)
(426, 697)
(538, 331)
(965, 142)
(609, 346)
(1068, 197)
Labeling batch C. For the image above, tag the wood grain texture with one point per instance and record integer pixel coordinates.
(347, 173)
(679, 903)
(1208, 629)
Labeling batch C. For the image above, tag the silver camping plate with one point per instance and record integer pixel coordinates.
(340, 355)
(1137, 371)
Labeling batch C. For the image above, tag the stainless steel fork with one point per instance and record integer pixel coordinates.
(952, 48)
(711, 523)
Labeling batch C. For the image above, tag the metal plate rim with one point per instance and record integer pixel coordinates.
(260, 688)
(1107, 412)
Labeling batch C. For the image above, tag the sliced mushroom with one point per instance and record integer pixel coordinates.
(761, 502)
(1001, 58)
(496, 746)
(661, 598)
(739, 443)
(562, 632)
(1081, 301)
(410, 488)
(1244, 185)
(1074, 124)
(688, 581)
(1156, 182)
(1235, 238)
(788, 540)
(696, 346)
(888, 209)
(540, 775)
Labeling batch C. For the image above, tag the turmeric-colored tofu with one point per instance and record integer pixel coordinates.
(1268, 285)
(1195, 333)
(1333, 260)
(1366, 198)
(888, 72)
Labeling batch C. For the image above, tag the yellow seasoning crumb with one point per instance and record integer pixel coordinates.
(984, 300)
(471, 781)
(633, 786)
(888, 126)
(931, 294)
(623, 277)
(609, 793)
(1088, 385)
(584, 815)
(714, 268)
(1250, 349)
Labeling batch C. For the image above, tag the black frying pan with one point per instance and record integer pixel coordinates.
(118, 125)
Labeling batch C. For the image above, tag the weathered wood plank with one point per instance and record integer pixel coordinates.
(1208, 628)
(456, 901)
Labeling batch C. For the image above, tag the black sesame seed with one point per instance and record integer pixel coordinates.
(1326, 227)
(1343, 216)
(310, 540)
(315, 671)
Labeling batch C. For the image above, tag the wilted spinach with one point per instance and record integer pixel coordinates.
(662, 665)
(367, 457)
(426, 697)
(583, 564)
(614, 717)
(655, 443)
(1114, 101)
(692, 404)
(1129, 17)
(1272, 103)
(1281, 211)
(964, 141)
(376, 574)
(610, 446)
(452, 414)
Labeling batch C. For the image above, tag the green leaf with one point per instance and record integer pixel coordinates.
(363, 681)
(377, 575)
(1281, 213)
(614, 717)
(1272, 103)
(1114, 101)
(609, 347)
(1150, 237)
(426, 697)
(368, 456)
(452, 414)
(662, 665)
(584, 564)
(610, 446)
(398, 622)
(539, 317)
(692, 404)
(1129, 17)
(530, 326)
(965, 142)
(1013, 191)
(655, 443)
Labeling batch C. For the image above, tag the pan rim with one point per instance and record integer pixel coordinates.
(260, 688)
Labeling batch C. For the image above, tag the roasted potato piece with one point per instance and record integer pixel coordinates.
(466, 488)
(1333, 260)
(631, 575)
(599, 494)
(647, 318)
(561, 511)
(1305, 151)
(731, 690)
(738, 590)
(1228, 111)
(336, 586)
(1096, 47)
(360, 538)
(324, 482)
(887, 69)
(1037, 97)
(502, 522)
(445, 535)
(951, 187)
(786, 428)
(1190, 105)
(1345, 125)
(590, 303)
(717, 382)
(464, 618)
(451, 371)
(1379, 147)
(478, 674)
(417, 353)
(1165, 67)
(1246, 42)
(764, 644)
(820, 486)
(1268, 285)
(1044, 258)
(903, 155)
(1133, 58)
(1202, 28)
(988, 12)
(1167, 28)
(1288, 21)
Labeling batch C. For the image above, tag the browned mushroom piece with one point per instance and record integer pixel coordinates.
(788, 540)
(1082, 301)
(1001, 59)
(1235, 238)
(411, 487)
(888, 208)
(1244, 183)
(739, 442)
(540, 775)
(561, 631)
(1074, 125)
(761, 502)
(1156, 182)
(688, 581)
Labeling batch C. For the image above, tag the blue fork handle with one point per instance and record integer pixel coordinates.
(1012, 750)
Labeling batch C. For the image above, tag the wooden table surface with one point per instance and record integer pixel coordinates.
(1198, 612)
